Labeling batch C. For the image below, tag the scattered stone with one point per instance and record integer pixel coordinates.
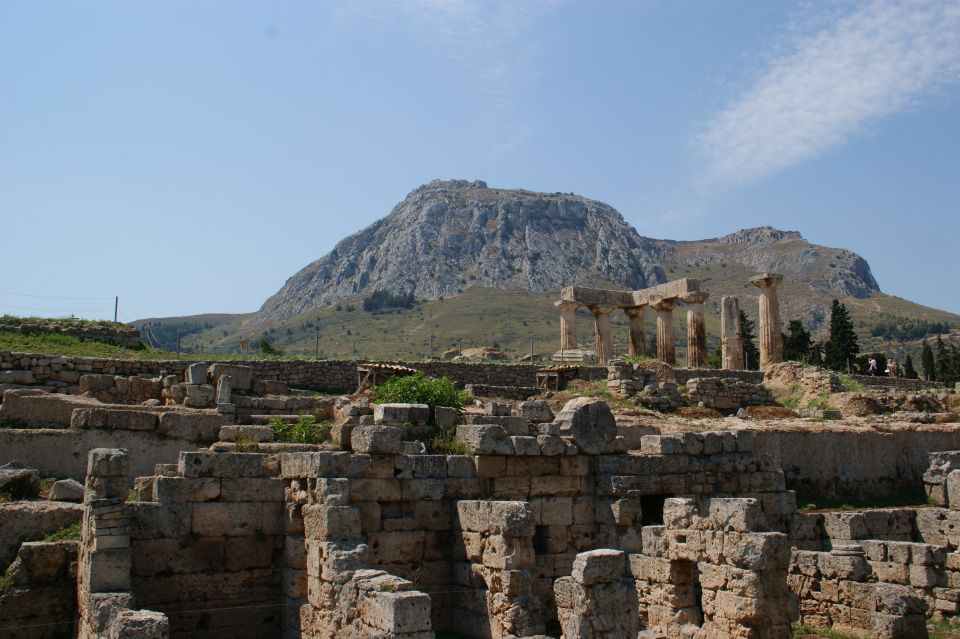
(66, 490)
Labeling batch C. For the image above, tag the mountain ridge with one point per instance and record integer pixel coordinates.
(448, 235)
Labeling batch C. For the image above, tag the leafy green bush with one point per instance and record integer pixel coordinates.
(420, 389)
(304, 431)
(67, 533)
(445, 442)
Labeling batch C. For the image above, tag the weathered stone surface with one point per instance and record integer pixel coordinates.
(196, 373)
(17, 482)
(66, 490)
(376, 440)
(536, 411)
(488, 439)
(241, 376)
(401, 413)
(588, 423)
(231, 433)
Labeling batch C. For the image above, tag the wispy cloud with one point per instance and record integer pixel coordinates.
(489, 40)
(829, 81)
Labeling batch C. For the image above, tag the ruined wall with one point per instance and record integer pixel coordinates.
(126, 336)
(851, 461)
(41, 600)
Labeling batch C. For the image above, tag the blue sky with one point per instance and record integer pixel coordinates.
(189, 156)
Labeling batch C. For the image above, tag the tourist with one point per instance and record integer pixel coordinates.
(873, 367)
(891, 368)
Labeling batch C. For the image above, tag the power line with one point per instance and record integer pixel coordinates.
(57, 310)
(53, 297)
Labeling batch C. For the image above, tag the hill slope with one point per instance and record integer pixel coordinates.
(504, 255)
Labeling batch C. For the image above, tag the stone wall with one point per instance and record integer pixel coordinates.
(725, 394)
(338, 376)
(41, 601)
(896, 383)
(854, 462)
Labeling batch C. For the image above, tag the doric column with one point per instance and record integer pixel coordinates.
(638, 340)
(771, 340)
(696, 330)
(666, 342)
(604, 340)
(731, 337)
(568, 324)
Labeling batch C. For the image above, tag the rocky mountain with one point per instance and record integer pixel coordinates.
(447, 236)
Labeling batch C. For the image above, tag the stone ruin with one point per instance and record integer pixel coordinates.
(547, 526)
(664, 298)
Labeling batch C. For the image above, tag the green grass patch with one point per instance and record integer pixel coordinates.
(68, 345)
(944, 628)
(6, 583)
(799, 632)
(807, 501)
(67, 533)
(849, 384)
(305, 430)
(820, 402)
(445, 442)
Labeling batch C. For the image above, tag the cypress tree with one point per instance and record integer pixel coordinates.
(750, 351)
(797, 343)
(926, 362)
(942, 367)
(908, 370)
(843, 346)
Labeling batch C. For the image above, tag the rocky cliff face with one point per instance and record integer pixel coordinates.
(449, 235)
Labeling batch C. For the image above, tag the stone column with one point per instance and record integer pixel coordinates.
(771, 339)
(666, 341)
(638, 339)
(731, 338)
(568, 324)
(604, 340)
(696, 330)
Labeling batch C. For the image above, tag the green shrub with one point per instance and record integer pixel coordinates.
(304, 431)
(67, 533)
(420, 389)
(445, 442)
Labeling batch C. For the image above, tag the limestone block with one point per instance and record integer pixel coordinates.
(231, 433)
(849, 567)
(177, 489)
(270, 387)
(202, 427)
(113, 419)
(139, 624)
(108, 462)
(66, 490)
(953, 489)
(536, 411)
(460, 466)
(488, 439)
(741, 515)
(679, 513)
(510, 518)
(588, 423)
(196, 373)
(401, 413)
(598, 566)
(17, 377)
(396, 612)
(507, 553)
(525, 446)
(94, 383)
(230, 465)
(342, 434)
(109, 570)
(759, 551)
(225, 519)
(252, 489)
(17, 482)
(376, 440)
(661, 445)
(550, 445)
(242, 375)
(497, 409)
(331, 523)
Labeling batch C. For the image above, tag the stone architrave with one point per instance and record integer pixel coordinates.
(638, 339)
(731, 337)
(771, 339)
(601, 319)
(568, 324)
(696, 330)
(666, 341)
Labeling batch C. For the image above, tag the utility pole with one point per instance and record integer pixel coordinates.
(316, 350)
(430, 356)
(531, 351)
(178, 343)
(116, 307)
(354, 348)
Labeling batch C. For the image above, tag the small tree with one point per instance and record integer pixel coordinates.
(927, 362)
(908, 370)
(942, 366)
(842, 347)
(797, 343)
(269, 349)
(751, 353)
